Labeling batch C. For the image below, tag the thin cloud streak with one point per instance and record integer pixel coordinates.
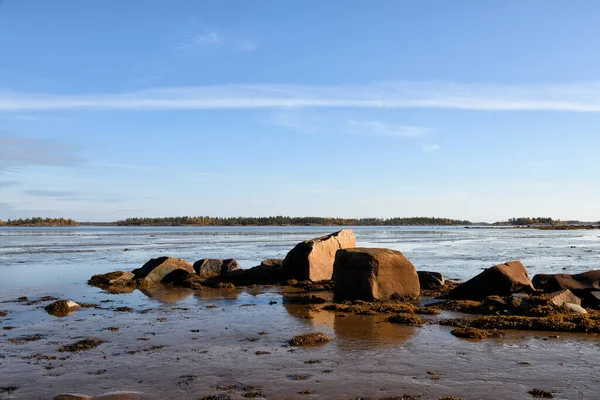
(582, 97)
(431, 147)
(18, 151)
(336, 124)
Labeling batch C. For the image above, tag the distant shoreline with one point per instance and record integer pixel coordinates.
(471, 226)
(542, 223)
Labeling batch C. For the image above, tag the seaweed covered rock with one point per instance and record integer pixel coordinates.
(214, 268)
(61, 308)
(501, 280)
(156, 269)
(430, 280)
(579, 284)
(309, 339)
(313, 259)
(373, 274)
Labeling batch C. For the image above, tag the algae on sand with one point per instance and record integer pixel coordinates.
(309, 339)
(85, 344)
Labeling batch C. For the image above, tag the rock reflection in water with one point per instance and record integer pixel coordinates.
(166, 294)
(206, 295)
(353, 331)
(369, 331)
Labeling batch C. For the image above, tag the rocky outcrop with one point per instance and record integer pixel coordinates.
(373, 274)
(208, 268)
(313, 259)
(501, 280)
(431, 280)
(156, 269)
(579, 284)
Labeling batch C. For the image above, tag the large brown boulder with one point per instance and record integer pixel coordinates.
(579, 284)
(156, 269)
(373, 274)
(313, 259)
(213, 268)
(501, 280)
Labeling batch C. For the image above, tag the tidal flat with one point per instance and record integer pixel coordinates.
(179, 343)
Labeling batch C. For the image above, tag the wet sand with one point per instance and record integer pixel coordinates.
(186, 345)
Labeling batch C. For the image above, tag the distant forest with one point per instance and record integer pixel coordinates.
(37, 221)
(289, 221)
(283, 221)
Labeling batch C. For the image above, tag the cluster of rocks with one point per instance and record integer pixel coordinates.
(368, 274)
(512, 279)
(358, 273)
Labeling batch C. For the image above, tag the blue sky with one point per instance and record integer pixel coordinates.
(479, 110)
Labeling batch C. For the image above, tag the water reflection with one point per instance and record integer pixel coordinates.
(353, 331)
(167, 294)
(205, 295)
(367, 332)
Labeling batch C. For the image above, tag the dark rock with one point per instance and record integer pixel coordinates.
(313, 259)
(259, 275)
(208, 268)
(156, 269)
(579, 284)
(591, 300)
(494, 303)
(272, 263)
(501, 280)
(373, 274)
(183, 278)
(431, 280)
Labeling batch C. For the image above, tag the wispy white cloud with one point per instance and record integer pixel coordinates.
(67, 195)
(431, 147)
(380, 128)
(211, 37)
(338, 124)
(24, 117)
(582, 97)
(218, 39)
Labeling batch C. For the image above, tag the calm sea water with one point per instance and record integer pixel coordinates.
(50, 258)
(217, 338)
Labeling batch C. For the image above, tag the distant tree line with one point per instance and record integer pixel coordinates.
(283, 221)
(37, 221)
(530, 221)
